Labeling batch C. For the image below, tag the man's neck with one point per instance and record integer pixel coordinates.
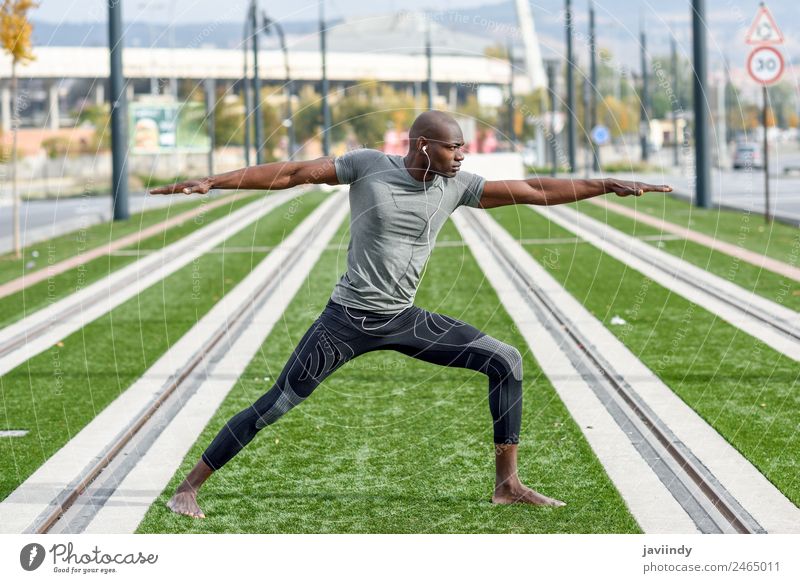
(416, 172)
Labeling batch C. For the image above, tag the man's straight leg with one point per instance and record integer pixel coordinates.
(325, 347)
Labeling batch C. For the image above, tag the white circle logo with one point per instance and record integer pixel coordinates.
(31, 556)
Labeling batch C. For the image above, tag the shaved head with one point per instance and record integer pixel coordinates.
(434, 125)
(435, 145)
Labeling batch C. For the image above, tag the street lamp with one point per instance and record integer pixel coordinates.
(268, 23)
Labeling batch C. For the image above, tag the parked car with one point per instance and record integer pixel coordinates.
(748, 155)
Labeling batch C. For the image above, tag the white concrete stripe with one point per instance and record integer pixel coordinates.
(31, 498)
(741, 479)
(148, 270)
(618, 245)
(126, 508)
(649, 501)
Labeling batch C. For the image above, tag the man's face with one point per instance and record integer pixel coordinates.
(447, 153)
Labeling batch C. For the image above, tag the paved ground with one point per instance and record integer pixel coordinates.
(741, 189)
(43, 219)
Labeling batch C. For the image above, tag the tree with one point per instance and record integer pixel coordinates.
(782, 103)
(665, 97)
(15, 38)
(274, 129)
(368, 109)
(229, 118)
(99, 117)
(307, 117)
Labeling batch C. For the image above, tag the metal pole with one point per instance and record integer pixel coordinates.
(551, 83)
(211, 98)
(571, 126)
(174, 79)
(722, 132)
(246, 96)
(259, 121)
(593, 72)
(674, 65)
(703, 171)
(429, 57)
(587, 151)
(289, 87)
(512, 134)
(644, 129)
(119, 112)
(767, 214)
(326, 112)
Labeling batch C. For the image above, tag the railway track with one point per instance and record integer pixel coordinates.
(36, 333)
(211, 342)
(596, 364)
(770, 322)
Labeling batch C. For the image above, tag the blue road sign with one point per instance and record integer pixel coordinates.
(600, 135)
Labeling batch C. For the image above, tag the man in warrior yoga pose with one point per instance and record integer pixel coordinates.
(397, 207)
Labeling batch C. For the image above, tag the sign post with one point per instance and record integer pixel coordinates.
(765, 65)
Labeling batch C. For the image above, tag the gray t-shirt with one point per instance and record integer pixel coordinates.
(393, 227)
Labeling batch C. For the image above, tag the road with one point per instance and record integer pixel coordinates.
(739, 189)
(44, 219)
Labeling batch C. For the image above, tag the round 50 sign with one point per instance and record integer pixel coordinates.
(765, 65)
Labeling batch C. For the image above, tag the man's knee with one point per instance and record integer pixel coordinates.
(516, 362)
(503, 355)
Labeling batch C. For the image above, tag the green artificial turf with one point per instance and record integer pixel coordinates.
(46, 292)
(389, 444)
(744, 389)
(774, 287)
(746, 229)
(56, 393)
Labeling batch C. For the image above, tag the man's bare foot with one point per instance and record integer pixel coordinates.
(507, 487)
(185, 503)
(520, 494)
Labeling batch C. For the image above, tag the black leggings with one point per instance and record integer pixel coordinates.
(340, 334)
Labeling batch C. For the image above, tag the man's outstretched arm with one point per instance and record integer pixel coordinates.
(548, 191)
(274, 176)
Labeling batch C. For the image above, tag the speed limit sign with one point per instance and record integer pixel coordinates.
(765, 65)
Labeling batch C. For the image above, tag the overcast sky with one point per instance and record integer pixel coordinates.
(208, 10)
(618, 20)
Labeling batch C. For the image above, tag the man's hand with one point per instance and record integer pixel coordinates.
(628, 187)
(188, 187)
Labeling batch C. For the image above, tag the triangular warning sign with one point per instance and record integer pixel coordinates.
(764, 31)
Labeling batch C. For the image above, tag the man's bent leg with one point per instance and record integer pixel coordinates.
(443, 340)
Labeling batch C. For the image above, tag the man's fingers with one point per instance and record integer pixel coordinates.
(172, 189)
(190, 187)
(657, 187)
